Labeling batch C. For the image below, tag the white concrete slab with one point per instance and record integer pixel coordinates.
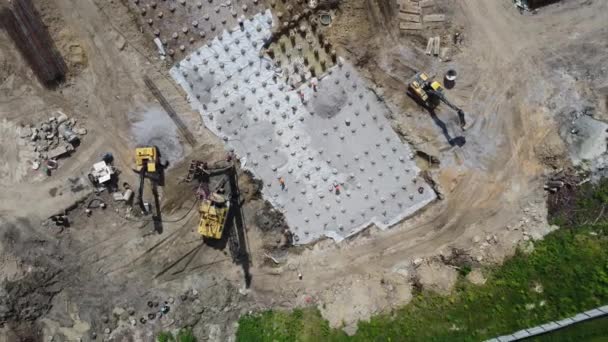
(314, 140)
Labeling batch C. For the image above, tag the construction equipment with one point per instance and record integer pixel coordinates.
(146, 160)
(214, 211)
(147, 164)
(214, 214)
(429, 92)
(101, 173)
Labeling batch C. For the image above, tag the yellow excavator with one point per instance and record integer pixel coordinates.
(215, 205)
(214, 213)
(147, 165)
(429, 92)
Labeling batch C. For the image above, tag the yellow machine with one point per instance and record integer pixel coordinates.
(148, 157)
(430, 92)
(147, 165)
(420, 84)
(214, 212)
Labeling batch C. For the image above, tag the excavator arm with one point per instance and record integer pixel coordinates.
(442, 98)
(140, 192)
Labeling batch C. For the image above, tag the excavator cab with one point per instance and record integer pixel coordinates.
(146, 157)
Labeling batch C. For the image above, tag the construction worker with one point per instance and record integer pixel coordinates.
(337, 188)
(282, 183)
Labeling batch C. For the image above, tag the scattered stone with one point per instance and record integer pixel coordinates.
(476, 277)
(80, 131)
(62, 118)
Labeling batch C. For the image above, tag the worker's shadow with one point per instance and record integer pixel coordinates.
(455, 141)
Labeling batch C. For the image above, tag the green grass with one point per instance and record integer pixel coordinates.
(183, 335)
(571, 264)
(589, 331)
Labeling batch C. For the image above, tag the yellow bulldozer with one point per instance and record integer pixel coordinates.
(214, 213)
(215, 205)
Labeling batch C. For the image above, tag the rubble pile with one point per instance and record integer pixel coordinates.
(53, 138)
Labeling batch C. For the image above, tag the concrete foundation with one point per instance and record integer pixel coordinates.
(325, 151)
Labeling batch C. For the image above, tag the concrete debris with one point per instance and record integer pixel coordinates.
(53, 138)
(432, 46)
(80, 131)
(429, 46)
(436, 45)
(121, 42)
(159, 46)
(59, 151)
(444, 54)
(62, 117)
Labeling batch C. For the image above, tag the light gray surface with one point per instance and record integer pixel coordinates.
(536, 330)
(550, 326)
(521, 334)
(594, 313)
(564, 322)
(336, 135)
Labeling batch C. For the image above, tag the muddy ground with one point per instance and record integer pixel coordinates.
(534, 88)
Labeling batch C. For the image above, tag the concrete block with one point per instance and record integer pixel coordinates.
(594, 313)
(331, 143)
(521, 334)
(409, 26)
(436, 46)
(426, 3)
(564, 322)
(410, 8)
(506, 338)
(580, 317)
(429, 46)
(433, 18)
(603, 308)
(415, 18)
(535, 330)
(550, 326)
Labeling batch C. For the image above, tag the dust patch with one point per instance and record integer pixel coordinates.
(154, 127)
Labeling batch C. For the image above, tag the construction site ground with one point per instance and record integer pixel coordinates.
(534, 86)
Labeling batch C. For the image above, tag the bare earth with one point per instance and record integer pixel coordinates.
(522, 81)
